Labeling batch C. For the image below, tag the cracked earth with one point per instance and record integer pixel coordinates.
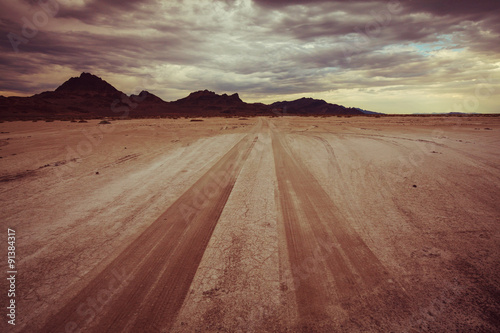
(258, 225)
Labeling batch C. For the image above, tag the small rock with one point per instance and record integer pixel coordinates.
(414, 185)
(97, 172)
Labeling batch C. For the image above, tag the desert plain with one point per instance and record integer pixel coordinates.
(263, 224)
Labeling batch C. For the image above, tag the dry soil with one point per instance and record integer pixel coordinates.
(257, 225)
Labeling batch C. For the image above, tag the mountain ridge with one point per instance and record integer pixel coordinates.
(87, 83)
(311, 106)
(90, 96)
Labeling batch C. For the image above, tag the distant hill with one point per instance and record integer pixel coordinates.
(447, 113)
(208, 103)
(87, 84)
(310, 106)
(205, 97)
(146, 96)
(89, 96)
(370, 112)
(85, 96)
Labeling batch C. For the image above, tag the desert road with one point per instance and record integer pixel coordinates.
(339, 224)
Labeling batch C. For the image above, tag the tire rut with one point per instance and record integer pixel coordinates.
(158, 267)
(338, 270)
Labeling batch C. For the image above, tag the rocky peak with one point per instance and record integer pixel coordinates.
(86, 83)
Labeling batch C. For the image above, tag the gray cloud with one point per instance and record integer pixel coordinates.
(259, 48)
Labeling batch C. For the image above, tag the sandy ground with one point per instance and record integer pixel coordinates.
(259, 225)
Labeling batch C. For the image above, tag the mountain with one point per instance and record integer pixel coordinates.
(146, 96)
(85, 96)
(208, 103)
(87, 84)
(310, 106)
(89, 96)
(369, 112)
(205, 97)
(446, 114)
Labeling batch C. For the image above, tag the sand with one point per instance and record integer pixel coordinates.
(261, 225)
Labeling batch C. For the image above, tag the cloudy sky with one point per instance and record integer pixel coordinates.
(388, 56)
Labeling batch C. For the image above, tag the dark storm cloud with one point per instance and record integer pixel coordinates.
(455, 7)
(312, 18)
(255, 47)
(437, 7)
(101, 11)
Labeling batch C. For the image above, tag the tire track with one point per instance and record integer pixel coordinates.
(338, 267)
(160, 264)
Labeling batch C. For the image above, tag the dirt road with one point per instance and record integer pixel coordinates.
(267, 224)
